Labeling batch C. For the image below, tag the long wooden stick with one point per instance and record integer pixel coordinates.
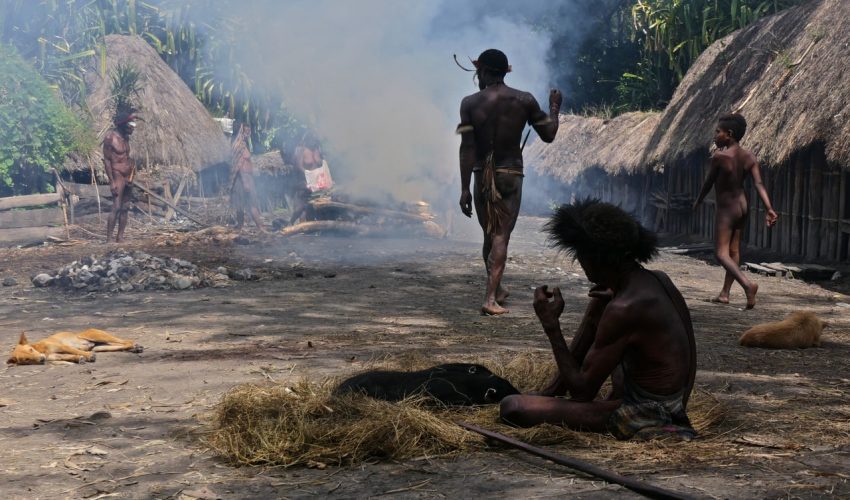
(28, 200)
(177, 209)
(96, 190)
(176, 198)
(64, 199)
(522, 148)
(324, 225)
(640, 487)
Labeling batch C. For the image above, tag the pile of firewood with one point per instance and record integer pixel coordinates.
(345, 217)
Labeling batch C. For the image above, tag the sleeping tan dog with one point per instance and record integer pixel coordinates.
(69, 347)
(799, 330)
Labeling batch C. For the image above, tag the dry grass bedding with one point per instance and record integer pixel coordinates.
(305, 424)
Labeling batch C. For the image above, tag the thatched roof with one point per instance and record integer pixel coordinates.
(176, 131)
(270, 163)
(786, 74)
(615, 145)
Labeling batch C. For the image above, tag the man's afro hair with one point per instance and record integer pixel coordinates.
(601, 232)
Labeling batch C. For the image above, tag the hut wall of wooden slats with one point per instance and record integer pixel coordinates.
(811, 196)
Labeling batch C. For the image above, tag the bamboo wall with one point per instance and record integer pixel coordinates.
(811, 197)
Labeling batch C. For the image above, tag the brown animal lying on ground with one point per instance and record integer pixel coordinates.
(69, 347)
(799, 330)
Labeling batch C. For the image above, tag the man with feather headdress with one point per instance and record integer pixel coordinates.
(120, 168)
(637, 330)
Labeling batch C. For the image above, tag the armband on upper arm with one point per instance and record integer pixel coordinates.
(464, 128)
(543, 121)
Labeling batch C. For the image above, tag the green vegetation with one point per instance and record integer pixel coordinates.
(124, 86)
(624, 55)
(57, 35)
(639, 50)
(38, 130)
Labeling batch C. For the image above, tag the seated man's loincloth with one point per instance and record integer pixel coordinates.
(645, 415)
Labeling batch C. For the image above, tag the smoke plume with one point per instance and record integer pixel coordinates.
(376, 79)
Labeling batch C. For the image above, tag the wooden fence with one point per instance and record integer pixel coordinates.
(32, 219)
(811, 197)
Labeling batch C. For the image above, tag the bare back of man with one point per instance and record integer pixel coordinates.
(492, 122)
(119, 170)
(499, 114)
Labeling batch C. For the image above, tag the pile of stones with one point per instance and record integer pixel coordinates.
(123, 271)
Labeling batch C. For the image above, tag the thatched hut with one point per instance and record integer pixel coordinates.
(603, 158)
(786, 74)
(177, 136)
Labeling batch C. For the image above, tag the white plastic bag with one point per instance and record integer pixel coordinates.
(319, 179)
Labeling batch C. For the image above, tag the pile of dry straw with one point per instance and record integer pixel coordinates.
(306, 424)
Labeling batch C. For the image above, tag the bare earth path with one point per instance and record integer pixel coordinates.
(120, 427)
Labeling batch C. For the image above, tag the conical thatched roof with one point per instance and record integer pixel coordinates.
(615, 145)
(787, 74)
(176, 131)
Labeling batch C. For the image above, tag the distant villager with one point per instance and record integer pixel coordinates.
(120, 170)
(491, 125)
(243, 191)
(730, 167)
(315, 177)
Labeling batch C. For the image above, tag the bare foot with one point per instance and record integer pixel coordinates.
(493, 310)
(751, 295)
(720, 299)
(502, 294)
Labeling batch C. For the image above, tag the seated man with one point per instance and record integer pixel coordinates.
(637, 329)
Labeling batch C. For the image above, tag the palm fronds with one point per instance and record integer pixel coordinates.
(124, 87)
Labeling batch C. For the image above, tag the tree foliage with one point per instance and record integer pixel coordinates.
(195, 37)
(637, 51)
(673, 33)
(607, 54)
(125, 85)
(38, 130)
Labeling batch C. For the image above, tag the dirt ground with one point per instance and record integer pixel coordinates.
(125, 426)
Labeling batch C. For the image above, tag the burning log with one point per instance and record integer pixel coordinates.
(369, 220)
(320, 204)
(425, 228)
(325, 225)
